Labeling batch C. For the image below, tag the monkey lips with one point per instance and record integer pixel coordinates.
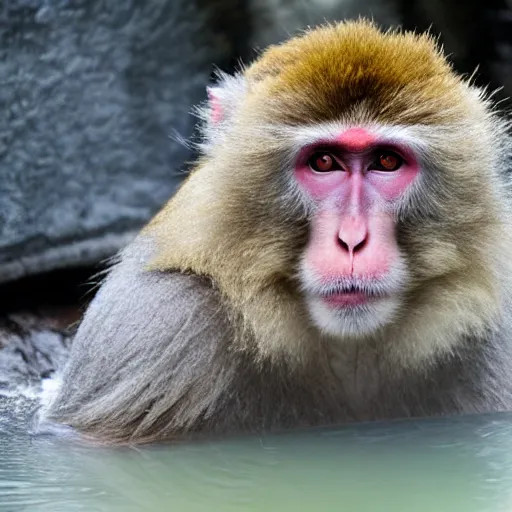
(350, 295)
(348, 299)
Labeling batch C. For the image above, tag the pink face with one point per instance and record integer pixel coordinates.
(352, 256)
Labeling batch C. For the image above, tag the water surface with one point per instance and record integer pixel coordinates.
(452, 464)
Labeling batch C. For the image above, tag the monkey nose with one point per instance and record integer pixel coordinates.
(353, 236)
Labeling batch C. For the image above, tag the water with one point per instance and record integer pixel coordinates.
(457, 464)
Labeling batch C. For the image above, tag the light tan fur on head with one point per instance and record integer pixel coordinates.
(238, 219)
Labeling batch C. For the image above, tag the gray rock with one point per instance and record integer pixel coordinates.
(32, 348)
(93, 95)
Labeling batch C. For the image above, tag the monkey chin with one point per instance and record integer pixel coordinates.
(351, 306)
(353, 321)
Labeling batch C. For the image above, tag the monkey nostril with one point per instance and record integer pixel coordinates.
(360, 245)
(352, 248)
(343, 244)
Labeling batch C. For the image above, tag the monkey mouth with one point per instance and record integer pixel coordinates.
(351, 294)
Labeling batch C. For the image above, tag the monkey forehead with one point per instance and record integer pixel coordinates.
(414, 138)
(395, 76)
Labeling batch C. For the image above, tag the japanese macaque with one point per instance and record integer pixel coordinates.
(342, 252)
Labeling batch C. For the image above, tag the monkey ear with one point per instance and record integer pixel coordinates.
(224, 99)
(215, 103)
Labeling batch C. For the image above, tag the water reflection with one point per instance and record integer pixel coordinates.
(460, 464)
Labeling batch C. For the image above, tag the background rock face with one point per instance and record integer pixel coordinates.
(32, 347)
(91, 95)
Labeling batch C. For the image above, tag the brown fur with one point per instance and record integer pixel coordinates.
(398, 77)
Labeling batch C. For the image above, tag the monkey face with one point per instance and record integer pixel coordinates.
(352, 272)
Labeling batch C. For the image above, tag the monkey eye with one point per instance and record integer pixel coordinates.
(387, 161)
(323, 162)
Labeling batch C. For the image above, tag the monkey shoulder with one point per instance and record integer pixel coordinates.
(146, 350)
(149, 309)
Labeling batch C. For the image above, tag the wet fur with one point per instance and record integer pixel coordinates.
(201, 327)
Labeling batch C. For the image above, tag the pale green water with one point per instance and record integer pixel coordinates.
(450, 465)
